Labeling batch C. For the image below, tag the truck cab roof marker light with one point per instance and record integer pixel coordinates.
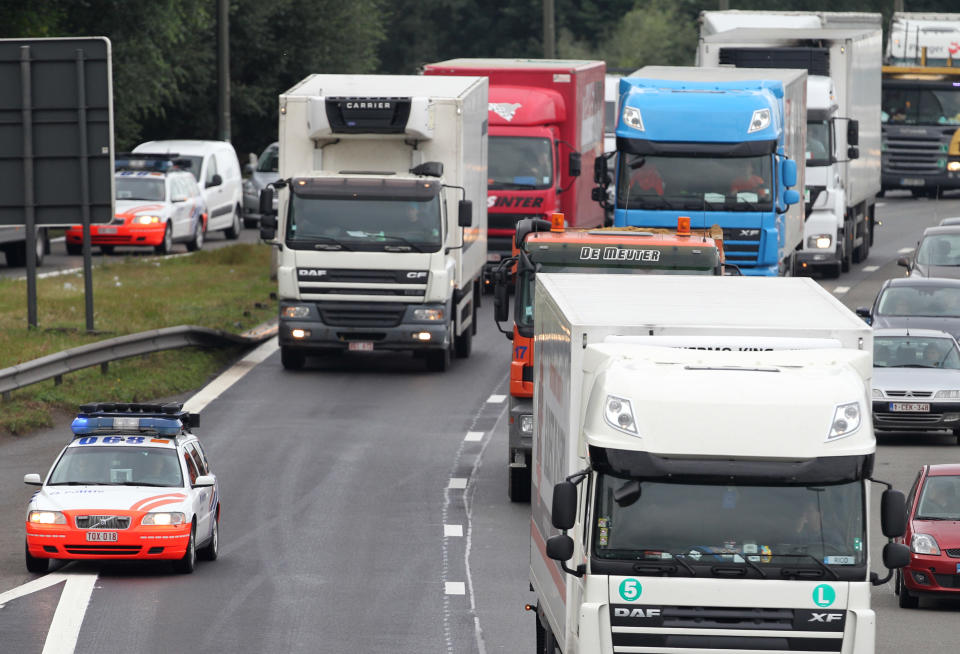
(683, 226)
(557, 222)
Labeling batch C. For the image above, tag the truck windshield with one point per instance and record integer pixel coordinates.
(519, 163)
(706, 524)
(367, 223)
(140, 188)
(707, 184)
(921, 106)
(819, 143)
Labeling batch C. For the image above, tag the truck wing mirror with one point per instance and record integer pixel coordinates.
(853, 133)
(574, 164)
(465, 213)
(501, 302)
(896, 555)
(788, 170)
(893, 514)
(560, 547)
(790, 196)
(853, 152)
(268, 227)
(597, 194)
(600, 170)
(564, 511)
(266, 202)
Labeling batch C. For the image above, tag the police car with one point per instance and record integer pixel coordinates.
(158, 204)
(133, 483)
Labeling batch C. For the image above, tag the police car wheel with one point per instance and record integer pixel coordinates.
(211, 550)
(166, 246)
(188, 563)
(34, 563)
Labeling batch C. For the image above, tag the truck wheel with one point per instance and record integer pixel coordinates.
(518, 484)
(546, 642)
(847, 259)
(34, 563)
(464, 343)
(860, 254)
(292, 359)
(438, 360)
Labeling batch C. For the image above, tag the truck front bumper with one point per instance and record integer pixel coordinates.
(364, 327)
(809, 260)
(944, 180)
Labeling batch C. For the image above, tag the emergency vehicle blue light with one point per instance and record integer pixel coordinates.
(83, 426)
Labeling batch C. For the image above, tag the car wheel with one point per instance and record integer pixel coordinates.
(292, 359)
(35, 563)
(233, 231)
(196, 243)
(74, 249)
(211, 551)
(188, 563)
(905, 599)
(107, 249)
(166, 246)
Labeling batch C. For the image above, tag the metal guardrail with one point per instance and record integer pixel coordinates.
(53, 366)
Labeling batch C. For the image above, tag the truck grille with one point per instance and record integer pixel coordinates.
(349, 314)
(742, 245)
(326, 281)
(910, 154)
(103, 521)
(677, 627)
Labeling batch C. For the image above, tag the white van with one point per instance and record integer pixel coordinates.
(215, 165)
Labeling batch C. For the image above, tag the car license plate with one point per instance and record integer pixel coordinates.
(912, 181)
(107, 230)
(101, 536)
(910, 407)
(360, 346)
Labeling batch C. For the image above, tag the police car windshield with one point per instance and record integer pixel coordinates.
(712, 524)
(519, 163)
(141, 188)
(117, 466)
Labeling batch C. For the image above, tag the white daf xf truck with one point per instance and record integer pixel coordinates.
(381, 222)
(842, 54)
(701, 466)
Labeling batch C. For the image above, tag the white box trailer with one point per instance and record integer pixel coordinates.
(683, 415)
(843, 121)
(382, 217)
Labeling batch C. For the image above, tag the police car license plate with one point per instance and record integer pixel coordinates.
(107, 230)
(360, 346)
(910, 407)
(101, 536)
(911, 181)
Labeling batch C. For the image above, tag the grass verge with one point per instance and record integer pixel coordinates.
(226, 289)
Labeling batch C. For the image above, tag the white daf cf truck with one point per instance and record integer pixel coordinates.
(381, 222)
(702, 450)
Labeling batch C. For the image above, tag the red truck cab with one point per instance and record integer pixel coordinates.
(545, 126)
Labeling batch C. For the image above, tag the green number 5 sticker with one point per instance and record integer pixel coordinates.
(630, 589)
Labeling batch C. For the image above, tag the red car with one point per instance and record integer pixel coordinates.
(933, 534)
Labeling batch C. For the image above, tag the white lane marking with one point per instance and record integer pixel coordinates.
(840, 290)
(40, 583)
(68, 618)
(881, 204)
(496, 399)
(457, 483)
(452, 531)
(904, 250)
(231, 376)
(454, 588)
(473, 436)
(871, 268)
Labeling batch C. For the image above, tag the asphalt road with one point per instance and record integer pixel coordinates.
(340, 483)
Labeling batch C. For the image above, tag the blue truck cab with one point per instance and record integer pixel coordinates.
(723, 146)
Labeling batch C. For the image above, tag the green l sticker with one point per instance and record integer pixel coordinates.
(824, 595)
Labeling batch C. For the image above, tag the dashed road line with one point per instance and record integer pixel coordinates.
(840, 290)
(457, 483)
(871, 268)
(453, 531)
(473, 436)
(454, 588)
(496, 399)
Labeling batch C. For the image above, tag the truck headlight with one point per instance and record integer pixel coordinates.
(295, 311)
(632, 118)
(846, 420)
(820, 241)
(147, 220)
(953, 166)
(924, 544)
(759, 121)
(618, 413)
(164, 519)
(526, 423)
(947, 395)
(877, 393)
(428, 314)
(47, 518)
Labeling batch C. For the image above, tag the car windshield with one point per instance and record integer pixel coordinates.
(939, 250)
(929, 301)
(269, 161)
(940, 499)
(123, 465)
(519, 163)
(140, 188)
(707, 184)
(915, 352)
(707, 523)
(193, 164)
(367, 223)
(921, 106)
(818, 143)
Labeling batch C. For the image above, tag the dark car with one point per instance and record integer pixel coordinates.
(933, 534)
(919, 302)
(937, 253)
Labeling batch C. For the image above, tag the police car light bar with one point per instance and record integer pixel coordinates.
(84, 425)
(149, 161)
(170, 411)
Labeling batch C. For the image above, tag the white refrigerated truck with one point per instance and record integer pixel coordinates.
(841, 52)
(701, 453)
(381, 222)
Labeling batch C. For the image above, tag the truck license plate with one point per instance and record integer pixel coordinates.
(911, 181)
(910, 407)
(101, 536)
(360, 346)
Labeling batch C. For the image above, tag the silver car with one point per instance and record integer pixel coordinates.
(916, 380)
(264, 172)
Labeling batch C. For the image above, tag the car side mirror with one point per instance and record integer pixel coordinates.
(33, 479)
(600, 170)
(574, 164)
(247, 170)
(216, 181)
(863, 312)
(788, 170)
(853, 133)
(853, 152)
(790, 196)
(465, 213)
(893, 514)
(560, 547)
(564, 510)
(179, 198)
(895, 556)
(903, 261)
(204, 481)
